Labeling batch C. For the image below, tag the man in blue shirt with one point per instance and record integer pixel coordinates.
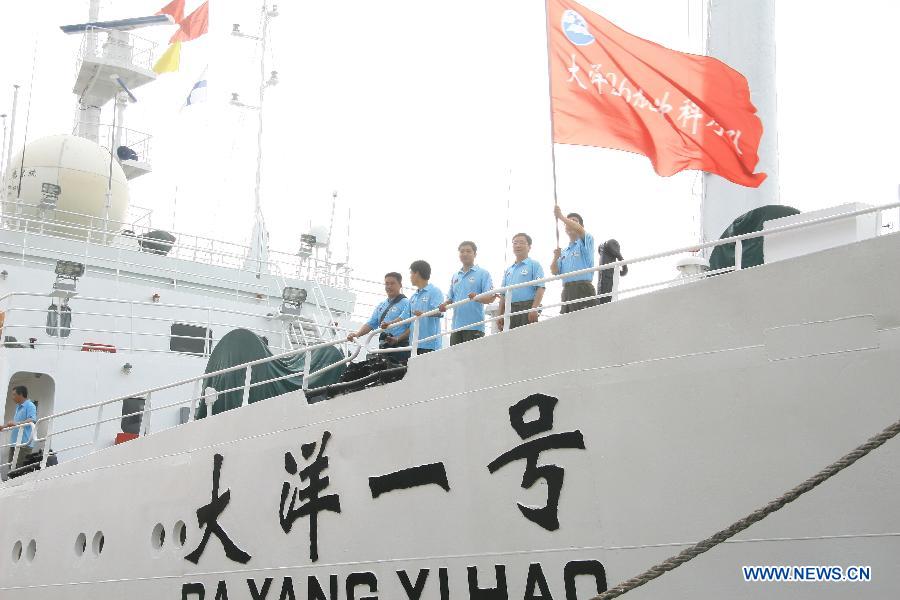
(426, 298)
(579, 254)
(394, 308)
(469, 282)
(26, 412)
(523, 298)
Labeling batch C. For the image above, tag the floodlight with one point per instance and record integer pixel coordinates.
(69, 269)
(295, 296)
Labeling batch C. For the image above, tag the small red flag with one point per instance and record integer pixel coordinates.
(194, 25)
(615, 90)
(175, 9)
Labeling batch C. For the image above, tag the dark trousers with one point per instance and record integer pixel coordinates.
(421, 351)
(466, 335)
(24, 452)
(574, 290)
(519, 320)
(400, 357)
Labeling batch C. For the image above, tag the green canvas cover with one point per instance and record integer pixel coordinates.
(242, 346)
(752, 254)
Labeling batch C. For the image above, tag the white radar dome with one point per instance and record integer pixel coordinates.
(64, 180)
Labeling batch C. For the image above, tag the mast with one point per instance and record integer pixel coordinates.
(3, 147)
(12, 125)
(259, 242)
(742, 34)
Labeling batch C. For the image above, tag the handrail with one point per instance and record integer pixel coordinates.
(20, 440)
(147, 393)
(620, 263)
(194, 379)
(32, 224)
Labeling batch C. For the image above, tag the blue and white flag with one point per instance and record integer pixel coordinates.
(198, 91)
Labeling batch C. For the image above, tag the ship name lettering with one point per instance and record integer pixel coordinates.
(481, 583)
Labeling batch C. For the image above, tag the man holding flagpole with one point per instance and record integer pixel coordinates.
(579, 254)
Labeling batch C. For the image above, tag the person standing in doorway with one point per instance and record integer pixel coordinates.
(26, 412)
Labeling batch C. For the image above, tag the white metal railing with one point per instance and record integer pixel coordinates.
(616, 266)
(121, 47)
(189, 248)
(130, 328)
(196, 395)
(196, 382)
(22, 440)
(114, 137)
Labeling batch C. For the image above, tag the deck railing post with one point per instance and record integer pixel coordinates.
(507, 308)
(195, 397)
(47, 440)
(615, 286)
(145, 418)
(307, 358)
(245, 397)
(415, 334)
(97, 424)
(738, 255)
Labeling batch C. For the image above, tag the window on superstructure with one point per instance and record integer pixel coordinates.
(190, 339)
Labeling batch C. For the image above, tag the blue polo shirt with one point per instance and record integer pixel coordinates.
(520, 272)
(426, 299)
(25, 411)
(576, 256)
(399, 310)
(464, 283)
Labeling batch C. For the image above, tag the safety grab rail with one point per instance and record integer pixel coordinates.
(307, 373)
(147, 394)
(20, 440)
(616, 266)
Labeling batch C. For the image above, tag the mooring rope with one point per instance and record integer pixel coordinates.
(757, 515)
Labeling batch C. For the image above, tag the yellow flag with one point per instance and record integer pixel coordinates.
(170, 60)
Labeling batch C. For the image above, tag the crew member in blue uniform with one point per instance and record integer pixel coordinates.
(394, 308)
(26, 412)
(426, 298)
(579, 254)
(469, 282)
(523, 270)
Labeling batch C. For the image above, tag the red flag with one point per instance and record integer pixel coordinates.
(614, 90)
(174, 8)
(194, 25)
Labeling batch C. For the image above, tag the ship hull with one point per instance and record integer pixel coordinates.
(549, 462)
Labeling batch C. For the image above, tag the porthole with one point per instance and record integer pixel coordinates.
(80, 544)
(97, 543)
(31, 550)
(179, 534)
(158, 537)
(17, 551)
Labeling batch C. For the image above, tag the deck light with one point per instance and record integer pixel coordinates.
(69, 269)
(295, 296)
(67, 274)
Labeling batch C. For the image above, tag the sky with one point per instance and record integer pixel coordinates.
(430, 120)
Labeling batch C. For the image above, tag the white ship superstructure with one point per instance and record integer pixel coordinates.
(94, 299)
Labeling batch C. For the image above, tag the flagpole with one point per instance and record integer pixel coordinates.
(552, 127)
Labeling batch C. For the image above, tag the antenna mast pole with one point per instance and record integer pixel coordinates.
(263, 84)
(12, 126)
(3, 147)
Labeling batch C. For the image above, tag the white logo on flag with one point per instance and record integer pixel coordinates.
(576, 29)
